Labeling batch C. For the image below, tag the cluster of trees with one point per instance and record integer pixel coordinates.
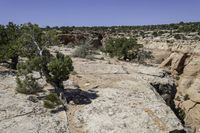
(126, 49)
(9, 46)
(30, 43)
(179, 27)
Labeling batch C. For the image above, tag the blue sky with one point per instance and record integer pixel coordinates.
(99, 12)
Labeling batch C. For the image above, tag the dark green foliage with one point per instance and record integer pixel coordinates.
(179, 27)
(34, 41)
(49, 104)
(55, 70)
(9, 46)
(59, 68)
(3, 35)
(155, 33)
(160, 32)
(51, 101)
(123, 48)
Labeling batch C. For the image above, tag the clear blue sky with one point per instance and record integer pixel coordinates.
(98, 12)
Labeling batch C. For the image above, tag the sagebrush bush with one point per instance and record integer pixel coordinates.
(28, 85)
(82, 51)
(143, 55)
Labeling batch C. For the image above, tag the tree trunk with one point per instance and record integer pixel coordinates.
(14, 62)
(59, 89)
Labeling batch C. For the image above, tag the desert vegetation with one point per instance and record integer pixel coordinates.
(177, 27)
(36, 62)
(42, 57)
(126, 49)
(9, 45)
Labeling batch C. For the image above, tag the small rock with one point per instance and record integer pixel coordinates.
(33, 99)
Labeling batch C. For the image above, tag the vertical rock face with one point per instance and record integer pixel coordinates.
(176, 61)
(189, 88)
(184, 64)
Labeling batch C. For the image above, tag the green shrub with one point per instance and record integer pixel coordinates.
(82, 51)
(28, 86)
(160, 33)
(123, 48)
(51, 101)
(9, 46)
(49, 104)
(142, 55)
(155, 34)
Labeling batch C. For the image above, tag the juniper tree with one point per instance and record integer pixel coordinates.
(9, 46)
(55, 69)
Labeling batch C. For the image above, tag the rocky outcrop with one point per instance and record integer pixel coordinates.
(23, 114)
(94, 39)
(72, 38)
(176, 62)
(126, 100)
(189, 92)
(182, 60)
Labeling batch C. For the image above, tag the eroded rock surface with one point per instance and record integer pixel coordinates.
(121, 96)
(182, 58)
(20, 115)
(126, 101)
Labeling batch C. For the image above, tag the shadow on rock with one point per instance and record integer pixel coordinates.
(57, 110)
(7, 72)
(78, 96)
